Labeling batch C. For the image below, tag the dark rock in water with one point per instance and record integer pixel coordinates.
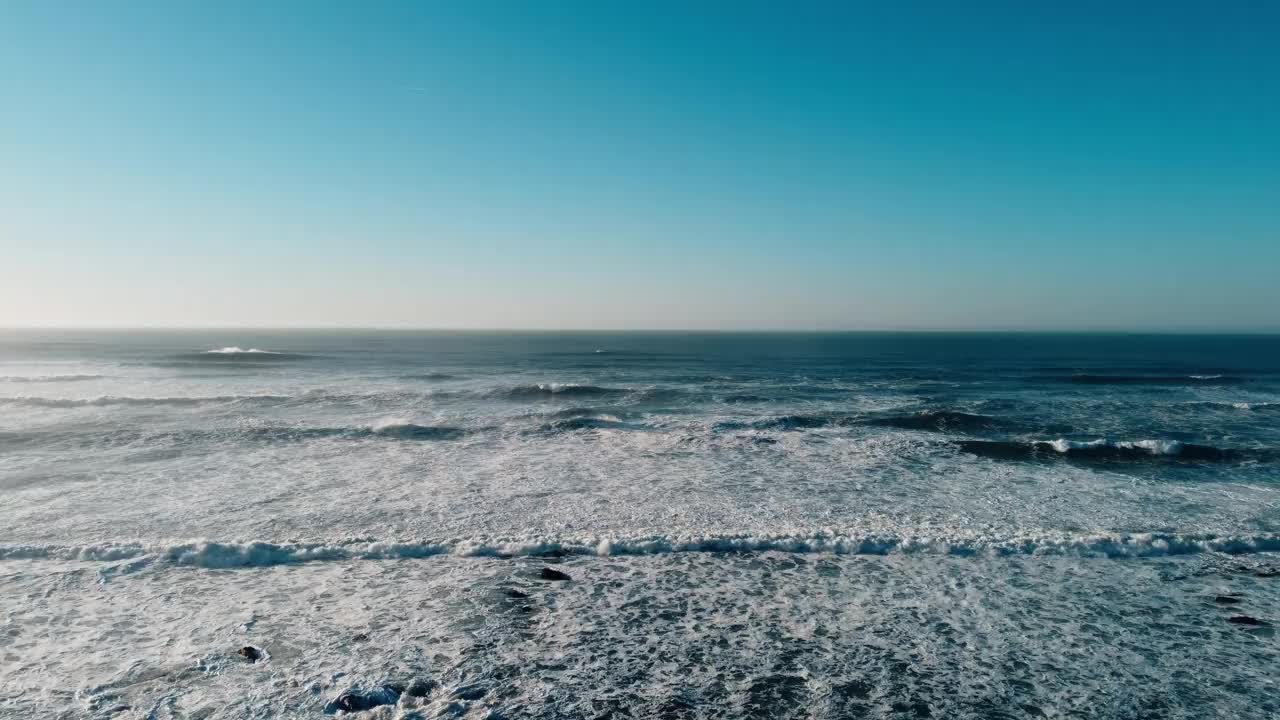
(250, 653)
(420, 687)
(359, 637)
(515, 594)
(1227, 600)
(1246, 620)
(358, 700)
(553, 574)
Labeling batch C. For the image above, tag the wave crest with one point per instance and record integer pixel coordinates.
(403, 430)
(543, 391)
(211, 554)
(938, 420)
(1101, 449)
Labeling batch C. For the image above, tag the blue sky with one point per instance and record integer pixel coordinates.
(641, 165)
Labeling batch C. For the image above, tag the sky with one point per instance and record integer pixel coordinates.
(627, 165)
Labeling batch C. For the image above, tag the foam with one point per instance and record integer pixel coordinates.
(49, 378)
(214, 554)
(104, 400)
(1104, 449)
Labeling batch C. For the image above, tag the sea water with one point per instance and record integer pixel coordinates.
(752, 525)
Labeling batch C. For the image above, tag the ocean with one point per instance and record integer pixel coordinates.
(232, 524)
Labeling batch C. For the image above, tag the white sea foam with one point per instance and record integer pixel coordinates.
(103, 400)
(1154, 447)
(212, 554)
(48, 378)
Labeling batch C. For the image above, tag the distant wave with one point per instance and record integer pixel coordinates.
(1085, 379)
(558, 390)
(238, 355)
(122, 400)
(48, 378)
(1100, 450)
(429, 376)
(939, 420)
(790, 422)
(210, 554)
(189, 438)
(1254, 405)
(590, 421)
(936, 420)
(402, 430)
(744, 398)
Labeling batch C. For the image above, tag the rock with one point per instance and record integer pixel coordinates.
(358, 699)
(420, 687)
(553, 574)
(1246, 620)
(250, 653)
(359, 637)
(1227, 600)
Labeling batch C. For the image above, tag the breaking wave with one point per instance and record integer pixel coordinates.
(1100, 450)
(590, 422)
(240, 351)
(543, 391)
(210, 554)
(790, 422)
(939, 420)
(238, 355)
(401, 430)
(49, 378)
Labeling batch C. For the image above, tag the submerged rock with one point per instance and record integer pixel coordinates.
(553, 574)
(251, 653)
(359, 699)
(420, 687)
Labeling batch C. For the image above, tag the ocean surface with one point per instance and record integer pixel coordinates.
(227, 524)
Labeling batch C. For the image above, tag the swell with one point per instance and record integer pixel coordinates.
(211, 554)
(429, 376)
(543, 391)
(1193, 379)
(187, 439)
(930, 420)
(939, 420)
(572, 391)
(1106, 450)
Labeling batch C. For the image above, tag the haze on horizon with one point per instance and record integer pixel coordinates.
(613, 166)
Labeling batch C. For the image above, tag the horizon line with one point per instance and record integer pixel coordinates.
(1190, 330)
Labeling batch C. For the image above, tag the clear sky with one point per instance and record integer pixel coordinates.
(604, 164)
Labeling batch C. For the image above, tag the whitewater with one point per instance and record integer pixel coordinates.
(226, 524)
